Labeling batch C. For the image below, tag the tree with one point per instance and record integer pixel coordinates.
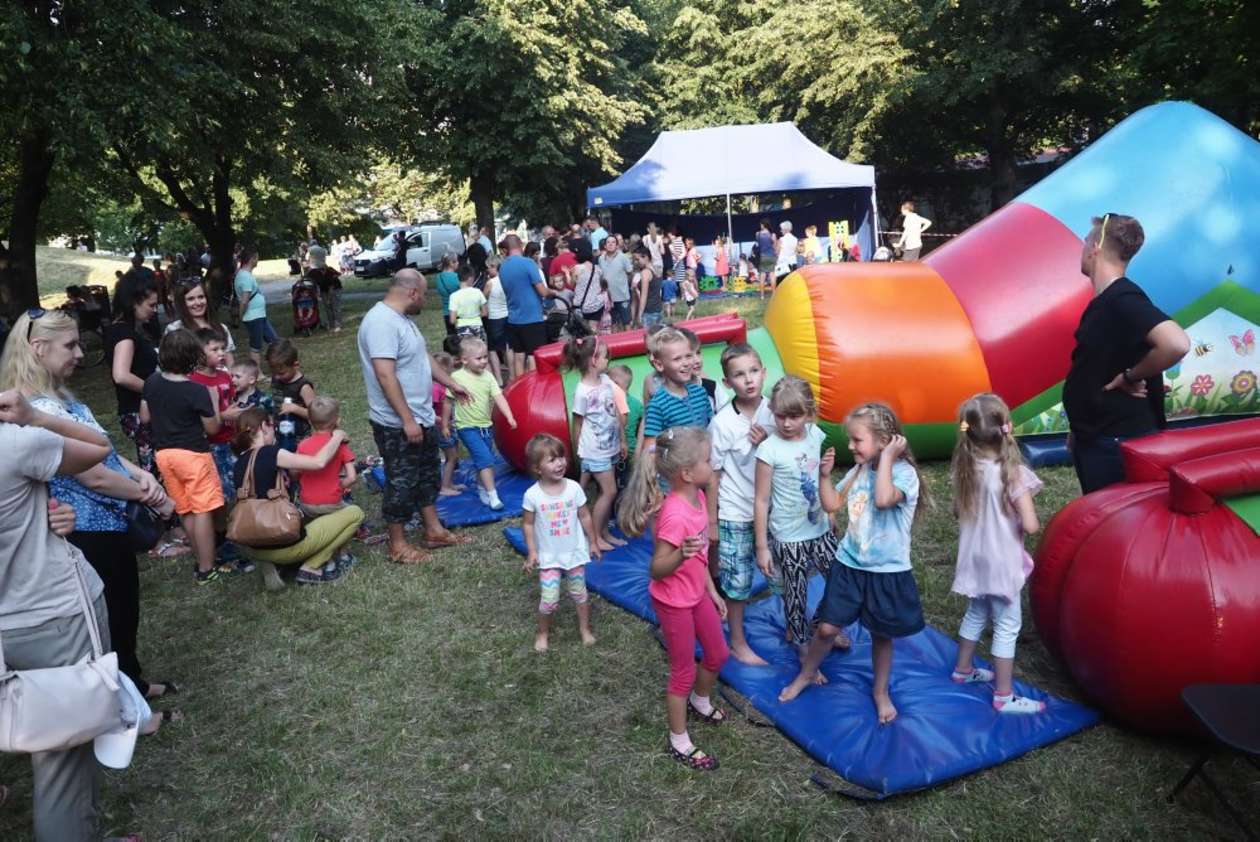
(60, 55)
(521, 97)
(389, 192)
(257, 95)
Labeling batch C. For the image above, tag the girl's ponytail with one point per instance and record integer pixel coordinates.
(642, 496)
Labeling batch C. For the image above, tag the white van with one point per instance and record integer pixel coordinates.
(427, 244)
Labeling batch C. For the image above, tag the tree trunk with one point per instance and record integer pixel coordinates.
(481, 186)
(19, 287)
(221, 237)
(1001, 158)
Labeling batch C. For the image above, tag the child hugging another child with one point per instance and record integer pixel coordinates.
(598, 428)
(683, 595)
(736, 431)
(323, 490)
(182, 414)
(447, 442)
(292, 393)
(994, 490)
(560, 536)
(871, 580)
(473, 417)
(793, 534)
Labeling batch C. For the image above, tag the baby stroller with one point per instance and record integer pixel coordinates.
(305, 298)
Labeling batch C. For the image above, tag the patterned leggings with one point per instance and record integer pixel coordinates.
(793, 562)
(142, 436)
(574, 582)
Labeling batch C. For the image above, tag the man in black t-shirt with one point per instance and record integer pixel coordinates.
(1115, 386)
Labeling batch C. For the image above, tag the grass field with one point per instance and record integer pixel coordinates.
(406, 703)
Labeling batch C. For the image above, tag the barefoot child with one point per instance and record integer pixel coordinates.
(473, 417)
(560, 536)
(323, 490)
(871, 579)
(793, 534)
(447, 441)
(597, 428)
(994, 490)
(683, 594)
(736, 431)
(182, 415)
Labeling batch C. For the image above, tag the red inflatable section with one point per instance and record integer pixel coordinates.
(538, 399)
(1017, 275)
(1146, 587)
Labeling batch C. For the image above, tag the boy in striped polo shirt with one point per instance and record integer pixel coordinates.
(679, 402)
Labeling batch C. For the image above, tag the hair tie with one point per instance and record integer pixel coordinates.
(963, 426)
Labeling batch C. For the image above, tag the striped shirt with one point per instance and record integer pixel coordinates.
(665, 410)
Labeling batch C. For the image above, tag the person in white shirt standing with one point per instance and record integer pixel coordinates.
(912, 227)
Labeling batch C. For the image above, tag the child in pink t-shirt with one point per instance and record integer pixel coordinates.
(683, 595)
(447, 442)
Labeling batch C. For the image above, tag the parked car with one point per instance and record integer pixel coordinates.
(426, 245)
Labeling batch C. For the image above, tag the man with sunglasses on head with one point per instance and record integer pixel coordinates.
(1115, 386)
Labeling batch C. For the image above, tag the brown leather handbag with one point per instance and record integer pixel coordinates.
(264, 522)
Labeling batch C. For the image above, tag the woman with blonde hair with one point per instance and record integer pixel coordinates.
(39, 357)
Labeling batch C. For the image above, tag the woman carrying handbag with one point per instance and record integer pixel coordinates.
(42, 576)
(260, 468)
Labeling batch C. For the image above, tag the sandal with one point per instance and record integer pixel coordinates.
(442, 543)
(694, 759)
(717, 717)
(169, 688)
(408, 556)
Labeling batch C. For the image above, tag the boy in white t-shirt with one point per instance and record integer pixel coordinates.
(559, 534)
(735, 432)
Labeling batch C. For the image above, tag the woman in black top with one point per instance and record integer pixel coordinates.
(322, 536)
(587, 295)
(132, 358)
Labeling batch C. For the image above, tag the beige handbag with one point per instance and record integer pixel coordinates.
(272, 521)
(57, 708)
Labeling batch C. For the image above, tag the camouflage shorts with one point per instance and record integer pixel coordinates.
(412, 472)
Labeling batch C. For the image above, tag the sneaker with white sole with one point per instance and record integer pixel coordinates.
(978, 675)
(1017, 704)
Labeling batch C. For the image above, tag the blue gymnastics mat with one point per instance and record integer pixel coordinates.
(943, 730)
(466, 509)
(621, 576)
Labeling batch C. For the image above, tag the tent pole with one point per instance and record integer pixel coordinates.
(730, 233)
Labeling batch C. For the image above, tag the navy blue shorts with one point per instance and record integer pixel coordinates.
(261, 334)
(886, 603)
(479, 442)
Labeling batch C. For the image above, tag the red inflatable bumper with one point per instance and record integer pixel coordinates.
(1148, 586)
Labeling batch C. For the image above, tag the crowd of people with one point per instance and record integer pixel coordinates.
(725, 480)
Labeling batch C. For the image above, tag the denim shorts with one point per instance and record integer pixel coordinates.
(652, 319)
(621, 313)
(596, 466)
(479, 441)
(445, 442)
(261, 333)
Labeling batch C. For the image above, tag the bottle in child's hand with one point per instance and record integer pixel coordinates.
(287, 427)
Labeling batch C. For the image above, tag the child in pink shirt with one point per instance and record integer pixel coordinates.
(683, 595)
(447, 442)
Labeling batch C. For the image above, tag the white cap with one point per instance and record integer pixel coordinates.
(114, 748)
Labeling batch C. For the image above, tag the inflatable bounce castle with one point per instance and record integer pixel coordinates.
(995, 309)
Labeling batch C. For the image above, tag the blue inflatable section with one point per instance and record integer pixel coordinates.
(621, 576)
(1193, 181)
(943, 730)
(466, 509)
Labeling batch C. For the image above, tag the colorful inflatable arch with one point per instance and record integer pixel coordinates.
(995, 309)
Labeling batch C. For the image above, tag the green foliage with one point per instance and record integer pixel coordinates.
(385, 193)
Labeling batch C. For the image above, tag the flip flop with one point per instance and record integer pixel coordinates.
(409, 556)
(442, 543)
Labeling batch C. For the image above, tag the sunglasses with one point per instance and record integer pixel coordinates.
(1102, 233)
(31, 315)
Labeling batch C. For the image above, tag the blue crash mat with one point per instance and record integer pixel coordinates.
(621, 576)
(466, 509)
(943, 730)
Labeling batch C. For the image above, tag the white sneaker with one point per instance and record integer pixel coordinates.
(978, 675)
(482, 496)
(1018, 704)
(493, 500)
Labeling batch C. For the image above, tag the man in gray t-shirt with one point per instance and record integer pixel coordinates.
(399, 371)
(614, 266)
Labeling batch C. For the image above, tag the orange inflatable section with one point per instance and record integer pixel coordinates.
(892, 332)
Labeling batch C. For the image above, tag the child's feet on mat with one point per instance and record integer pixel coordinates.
(1016, 704)
(609, 538)
(448, 491)
(841, 642)
(976, 675)
(884, 708)
(745, 655)
(798, 684)
(604, 546)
